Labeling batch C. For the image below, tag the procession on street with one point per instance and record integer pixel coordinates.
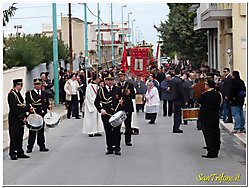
(105, 104)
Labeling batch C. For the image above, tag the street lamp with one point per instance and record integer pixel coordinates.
(129, 28)
(136, 32)
(132, 31)
(123, 27)
(17, 27)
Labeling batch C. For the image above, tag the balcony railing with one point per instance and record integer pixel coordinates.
(105, 42)
(214, 6)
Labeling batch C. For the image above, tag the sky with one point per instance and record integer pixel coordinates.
(146, 14)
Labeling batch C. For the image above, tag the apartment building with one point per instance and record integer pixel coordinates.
(78, 40)
(226, 28)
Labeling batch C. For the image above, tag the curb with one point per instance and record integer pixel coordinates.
(241, 137)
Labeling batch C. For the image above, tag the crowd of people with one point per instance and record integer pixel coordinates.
(107, 91)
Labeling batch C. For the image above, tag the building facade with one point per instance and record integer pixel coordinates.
(226, 28)
(78, 40)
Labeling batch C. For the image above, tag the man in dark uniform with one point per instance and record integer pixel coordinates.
(128, 93)
(106, 102)
(16, 120)
(37, 101)
(178, 99)
(210, 102)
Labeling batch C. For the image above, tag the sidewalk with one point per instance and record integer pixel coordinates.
(61, 110)
(240, 137)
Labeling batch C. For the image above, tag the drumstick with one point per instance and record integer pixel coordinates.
(118, 105)
(32, 107)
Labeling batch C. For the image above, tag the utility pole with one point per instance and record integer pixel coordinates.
(123, 27)
(112, 37)
(129, 33)
(86, 42)
(55, 56)
(70, 37)
(99, 56)
(132, 29)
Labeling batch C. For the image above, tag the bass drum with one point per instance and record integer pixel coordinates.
(34, 122)
(51, 119)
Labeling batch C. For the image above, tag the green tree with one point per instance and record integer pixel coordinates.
(22, 52)
(32, 50)
(179, 37)
(7, 14)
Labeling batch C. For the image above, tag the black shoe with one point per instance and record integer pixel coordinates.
(23, 156)
(109, 152)
(90, 135)
(117, 153)
(228, 121)
(178, 131)
(205, 147)
(44, 149)
(68, 117)
(97, 134)
(77, 118)
(13, 157)
(29, 150)
(128, 144)
(164, 115)
(209, 156)
(151, 122)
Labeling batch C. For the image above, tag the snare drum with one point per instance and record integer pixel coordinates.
(34, 122)
(117, 118)
(51, 119)
(190, 114)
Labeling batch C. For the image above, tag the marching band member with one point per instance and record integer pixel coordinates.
(128, 94)
(92, 124)
(17, 119)
(37, 101)
(106, 102)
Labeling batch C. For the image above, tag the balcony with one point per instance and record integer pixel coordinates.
(199, 23)
(109, 42)
(217, 12)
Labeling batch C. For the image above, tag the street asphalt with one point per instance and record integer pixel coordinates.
(157, 157)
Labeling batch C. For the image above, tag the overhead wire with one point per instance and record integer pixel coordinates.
(94, 14)
(32, 17)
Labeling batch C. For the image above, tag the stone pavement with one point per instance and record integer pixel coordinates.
(61, 110)
(240, 137)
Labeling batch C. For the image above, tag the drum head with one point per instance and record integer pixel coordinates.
(35, 120)
(51, 119)
(116, 115)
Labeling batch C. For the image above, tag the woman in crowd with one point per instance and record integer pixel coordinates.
(151, 107)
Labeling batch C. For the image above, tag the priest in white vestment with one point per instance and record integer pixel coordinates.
(92, 124)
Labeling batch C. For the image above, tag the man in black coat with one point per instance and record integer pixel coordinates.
(237, 98)
(37, 101)
(226, 94)
(178, 99)
(210, 102)
(128, 93)
(17, 119)
(106, 102)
